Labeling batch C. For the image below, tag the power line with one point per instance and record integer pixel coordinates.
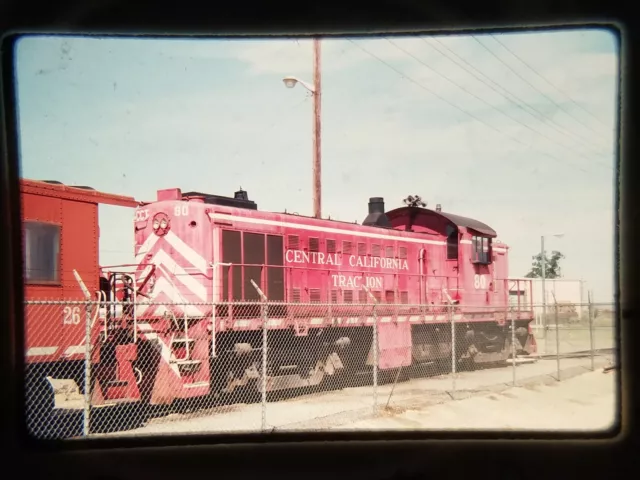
(507, 94)
(531, 85)
(418, 84)
(482, 100)
(548, 82)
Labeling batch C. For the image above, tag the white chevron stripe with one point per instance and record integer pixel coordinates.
(146, 247)
(186, 251)
(163, 286)
(162, 258)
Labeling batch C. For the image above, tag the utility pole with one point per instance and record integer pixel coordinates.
(543, 268)
(316, 92)
(317, 97)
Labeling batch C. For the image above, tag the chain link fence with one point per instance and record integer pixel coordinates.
(100, 368)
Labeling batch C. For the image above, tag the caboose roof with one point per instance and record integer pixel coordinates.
(457, 220)
(81, 194)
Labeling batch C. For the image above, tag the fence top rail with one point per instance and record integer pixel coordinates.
(462, 306)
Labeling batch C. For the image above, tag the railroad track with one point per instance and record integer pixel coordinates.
(576, 354)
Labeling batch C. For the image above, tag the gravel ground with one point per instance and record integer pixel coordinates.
(488, 391)
(585, 402)
(573, 339)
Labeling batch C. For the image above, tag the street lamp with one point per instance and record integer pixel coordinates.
(315, 90)
(543, 263)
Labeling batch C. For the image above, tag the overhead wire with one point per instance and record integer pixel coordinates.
(566, 95)
(460, 109)
(533, 86)
(508, 95)
(484, 101)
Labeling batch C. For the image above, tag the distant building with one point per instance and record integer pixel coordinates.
(571, 296)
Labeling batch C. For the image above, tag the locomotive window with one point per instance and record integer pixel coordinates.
(346, 247)
(334, 296)
(388, 252)
(314, 244)
(452, 243)
(42, 252)
(331, 246)
(404, 297)
(362, 249)
(377, 296)
(481, 250)
(390, 296)
(275, 272)
(295, 295)
(375, 250)
(232, 253)
(347, 296)
(362, 296)
(402, 252)
(314, 295)
(253, 246)
(293, 242)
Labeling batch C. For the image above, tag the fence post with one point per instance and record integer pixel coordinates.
(86, 426)
(375, 347)
(263, 389)
(453, 339)
(513, 345)
(592, 350)
(555, 304)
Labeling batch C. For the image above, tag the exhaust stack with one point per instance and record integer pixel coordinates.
(377, 217)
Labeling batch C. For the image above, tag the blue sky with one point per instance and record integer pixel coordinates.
(403, 117)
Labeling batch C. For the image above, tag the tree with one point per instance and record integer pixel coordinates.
(552, 266)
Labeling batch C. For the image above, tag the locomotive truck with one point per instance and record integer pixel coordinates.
(186, 318)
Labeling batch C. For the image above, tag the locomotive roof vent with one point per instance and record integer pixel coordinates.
(377, 217)
(240, 199)
(241, 195)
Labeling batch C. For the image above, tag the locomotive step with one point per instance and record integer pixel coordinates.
(117, 383)
(186, 362)
(182, 340)
(196, 385)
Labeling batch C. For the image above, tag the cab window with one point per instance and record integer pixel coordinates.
(481, 250)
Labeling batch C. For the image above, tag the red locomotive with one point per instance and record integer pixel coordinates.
(196, 328)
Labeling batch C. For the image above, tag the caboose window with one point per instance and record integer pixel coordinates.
(42, 252)
(481, 250)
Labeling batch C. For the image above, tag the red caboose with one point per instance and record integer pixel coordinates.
(61, 235)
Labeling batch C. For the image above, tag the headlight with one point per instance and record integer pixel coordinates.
(161, 224)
